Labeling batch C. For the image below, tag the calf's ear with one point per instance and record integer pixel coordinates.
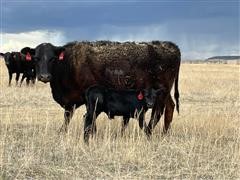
(28, 50)
(2, 54)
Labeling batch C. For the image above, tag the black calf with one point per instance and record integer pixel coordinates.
(126, 103)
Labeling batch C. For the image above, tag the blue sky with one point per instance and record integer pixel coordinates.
(200, 28)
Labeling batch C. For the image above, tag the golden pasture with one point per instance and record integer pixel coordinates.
(204, 141)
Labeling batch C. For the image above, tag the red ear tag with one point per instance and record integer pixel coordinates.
(140, 96)
(28, 57)
(61, 56)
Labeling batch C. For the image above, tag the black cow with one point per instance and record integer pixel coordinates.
(13, 63)
(74, 67)
(127, 103)
(29, 71)
(20, 64)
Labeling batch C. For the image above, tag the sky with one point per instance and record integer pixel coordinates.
(201, 28)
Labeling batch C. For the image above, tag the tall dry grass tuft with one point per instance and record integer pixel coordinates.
(204, 141)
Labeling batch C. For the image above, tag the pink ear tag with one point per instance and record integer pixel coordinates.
(61, 56)
(140, 96)
(28, 57)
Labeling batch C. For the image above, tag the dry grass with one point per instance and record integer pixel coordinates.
(204, 142)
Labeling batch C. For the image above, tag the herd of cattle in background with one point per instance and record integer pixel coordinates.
(120, 79)
(19, 63)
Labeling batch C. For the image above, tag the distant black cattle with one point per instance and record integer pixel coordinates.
(20, 64)
(127, 103)
(74, 67)
(13, 65)
(29, 71)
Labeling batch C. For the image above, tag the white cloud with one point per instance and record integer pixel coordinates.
(15, 42)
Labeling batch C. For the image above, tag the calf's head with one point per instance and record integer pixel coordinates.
(151, 95)
(45, 56)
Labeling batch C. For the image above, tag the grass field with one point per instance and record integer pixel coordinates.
(204, 142)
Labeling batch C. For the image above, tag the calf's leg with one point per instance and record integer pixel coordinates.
(141, 120)
(90, 124)
(157, 112)
(155, 117)
(124, 124)
(93, 110)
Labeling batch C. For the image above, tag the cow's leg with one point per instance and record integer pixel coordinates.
(68, 113)
(10, 78)
(124, 124)
(23, 77)
(17, 77)
(168, 116)
(28, 80)
(33, 80)
(34, 77)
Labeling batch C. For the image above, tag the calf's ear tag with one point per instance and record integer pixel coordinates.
(61, 56)
(28, 57)
(140, 96)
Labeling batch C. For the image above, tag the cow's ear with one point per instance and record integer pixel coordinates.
(2, 54)
(60, 53)
(140, 95)
(28, 50)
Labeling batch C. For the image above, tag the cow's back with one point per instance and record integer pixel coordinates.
(124, 65)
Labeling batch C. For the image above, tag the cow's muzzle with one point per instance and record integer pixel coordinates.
(45, 78)
(150, 105)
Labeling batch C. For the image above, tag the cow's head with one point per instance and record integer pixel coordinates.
(16, 56)
(151, 95)
(45, 56)
(7, 57)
